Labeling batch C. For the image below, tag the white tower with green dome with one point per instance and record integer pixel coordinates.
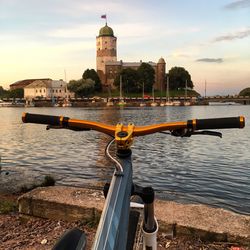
(105, 50)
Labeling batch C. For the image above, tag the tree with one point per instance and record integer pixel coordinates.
(16, 93)
(129, 80)
(146, 75)
(178, 77)
(3, 92)
(92, 74)
(245, 92)
(82, 87)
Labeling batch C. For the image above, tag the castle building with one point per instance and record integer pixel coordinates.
(108, 67)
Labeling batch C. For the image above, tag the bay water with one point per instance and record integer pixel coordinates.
(200, 169)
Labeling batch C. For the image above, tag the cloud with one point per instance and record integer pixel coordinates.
(237, 35)
(210, 60)
(238, 5)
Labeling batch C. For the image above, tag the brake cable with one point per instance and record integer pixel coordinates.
(118, 166)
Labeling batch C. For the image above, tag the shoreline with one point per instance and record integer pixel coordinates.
(24, 231)
(51, 215)
(193, 220)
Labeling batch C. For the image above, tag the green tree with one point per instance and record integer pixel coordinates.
(146, 75)
(3, 92)
(245, 92)
(82, 87)
(178, 77)
(129, 80)
(16, 93)
(92, 74)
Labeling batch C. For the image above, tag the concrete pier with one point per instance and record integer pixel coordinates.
(71, 204)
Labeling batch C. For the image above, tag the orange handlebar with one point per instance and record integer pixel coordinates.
(196, 124)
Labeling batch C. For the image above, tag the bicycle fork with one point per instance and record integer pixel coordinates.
(150, 225)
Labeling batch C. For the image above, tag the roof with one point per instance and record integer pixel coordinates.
(23, 83)
(47, 84)
(106, 31)
(161, 60)
(38, 84)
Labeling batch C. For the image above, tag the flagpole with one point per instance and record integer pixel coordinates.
(105, 17)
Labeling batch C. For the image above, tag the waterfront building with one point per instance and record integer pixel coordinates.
(47, 88)
(108, 67)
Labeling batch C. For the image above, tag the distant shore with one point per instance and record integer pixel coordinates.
(126, 102)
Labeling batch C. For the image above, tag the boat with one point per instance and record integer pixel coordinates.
(168, 102)
(11, 104)
(67, 104)
(176, 103)
(153, 104)
(187, 103)
(109, 102)
(222, 103)
(121, 99)
(121, 102)
(5, 104)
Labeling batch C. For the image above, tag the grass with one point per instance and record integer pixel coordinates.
(48, 181)
(7, 206)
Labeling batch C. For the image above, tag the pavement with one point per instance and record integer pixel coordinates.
(74, 204)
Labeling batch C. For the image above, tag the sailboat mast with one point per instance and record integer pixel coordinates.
(186, 91)
(143, 91)
(205, 88)
(168, 88)
(120, 86)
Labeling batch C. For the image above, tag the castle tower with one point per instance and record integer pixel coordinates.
(160, 74)
(105, 50)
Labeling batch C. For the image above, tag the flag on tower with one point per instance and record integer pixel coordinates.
(104, 16)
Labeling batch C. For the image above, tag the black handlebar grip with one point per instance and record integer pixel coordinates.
(44, 119)
(219, 123)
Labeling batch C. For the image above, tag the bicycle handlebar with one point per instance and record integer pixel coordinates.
(196, 124)
(220, 123)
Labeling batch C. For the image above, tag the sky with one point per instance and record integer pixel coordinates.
(57, 38)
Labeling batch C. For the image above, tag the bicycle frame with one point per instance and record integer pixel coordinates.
(113, 226)
(112, 232)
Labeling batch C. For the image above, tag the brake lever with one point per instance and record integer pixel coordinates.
(205, 132)
(54, 127)
(59, 127)
(188, 133)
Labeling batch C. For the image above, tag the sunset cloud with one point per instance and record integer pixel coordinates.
(233, 36)
(210, 60)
